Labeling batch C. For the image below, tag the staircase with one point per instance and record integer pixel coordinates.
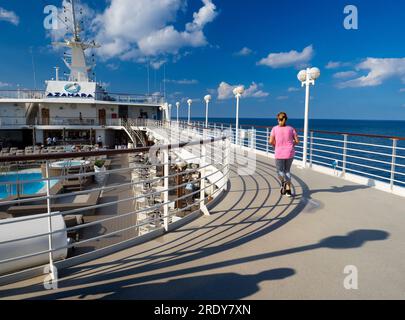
(135, 135)
(31, 113)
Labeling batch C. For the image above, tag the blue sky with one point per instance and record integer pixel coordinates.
(201, 42)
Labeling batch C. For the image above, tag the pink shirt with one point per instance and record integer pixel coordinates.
(284, 142)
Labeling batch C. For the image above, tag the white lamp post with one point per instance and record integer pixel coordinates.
(170, 113)
(207, 99)
(307, 77)
(189, 102)
(178, 107)
(238, 92)
(165, 108)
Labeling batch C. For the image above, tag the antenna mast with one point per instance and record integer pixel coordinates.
(79, 68)
(76, 28)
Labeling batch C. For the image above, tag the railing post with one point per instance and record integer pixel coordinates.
(253, 139)
(344, 165)
(311, 150)
(166, 187)
(228, 154)
(49, 211)
(226, 162)
(267, 140)
(203, 163)
(393, 162)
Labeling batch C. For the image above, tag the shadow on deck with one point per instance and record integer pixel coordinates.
(256, 244)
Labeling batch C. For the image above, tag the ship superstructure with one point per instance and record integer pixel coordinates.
(76, 109)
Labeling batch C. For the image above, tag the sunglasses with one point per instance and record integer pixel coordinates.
(281, 119)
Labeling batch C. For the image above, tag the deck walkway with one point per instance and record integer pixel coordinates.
(118, 193)
(258, 245)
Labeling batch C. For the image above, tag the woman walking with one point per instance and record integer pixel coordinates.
(284, 139)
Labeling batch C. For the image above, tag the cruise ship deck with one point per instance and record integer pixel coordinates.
(257, 245)
(105, 195)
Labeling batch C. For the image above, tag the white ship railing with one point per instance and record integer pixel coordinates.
(22, 94)
(379, 158)
(100, 96)
(129, 98)
(373, 157)
(156, 203)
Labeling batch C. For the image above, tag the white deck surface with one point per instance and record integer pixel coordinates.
(258, 245)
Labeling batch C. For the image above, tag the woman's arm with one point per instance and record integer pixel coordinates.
(272, 140)
(296, 138)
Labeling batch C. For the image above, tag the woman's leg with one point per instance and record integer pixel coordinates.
(281, 174)
(288, 164)
(280, 164)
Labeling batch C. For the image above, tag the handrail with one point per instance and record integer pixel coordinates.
(130, 94)
(316, 131)
(209, 178)
(64, 155)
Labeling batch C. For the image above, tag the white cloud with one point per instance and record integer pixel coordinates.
(112, 66)
(65, 24)
(183, 81)
(4, 84)
(293, 89)
(282, 98)
(379, 71)
(157, 64)
(337, 64)
(245, 51)
(333, 65)
(345, 74)
(9, 16)
(225, 91)
(132, 30)
(288, 59)
(402, 90)
(205, 15)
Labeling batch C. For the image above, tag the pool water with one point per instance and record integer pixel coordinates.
(9, 189)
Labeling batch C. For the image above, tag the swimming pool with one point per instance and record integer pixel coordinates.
(10, 189)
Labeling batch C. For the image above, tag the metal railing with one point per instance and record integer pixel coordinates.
(100, 96)
(129, 98)
(60, 121)
(22, 94)
(376, 157)
(144, 190)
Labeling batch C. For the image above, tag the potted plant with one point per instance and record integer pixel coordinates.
(100, 171)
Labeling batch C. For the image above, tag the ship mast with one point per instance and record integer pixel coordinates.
(75, 25)
(79, 70)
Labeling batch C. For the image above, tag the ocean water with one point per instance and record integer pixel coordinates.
(386, 128)
(371, 157)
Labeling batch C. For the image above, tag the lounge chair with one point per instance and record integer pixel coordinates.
(72, 203)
